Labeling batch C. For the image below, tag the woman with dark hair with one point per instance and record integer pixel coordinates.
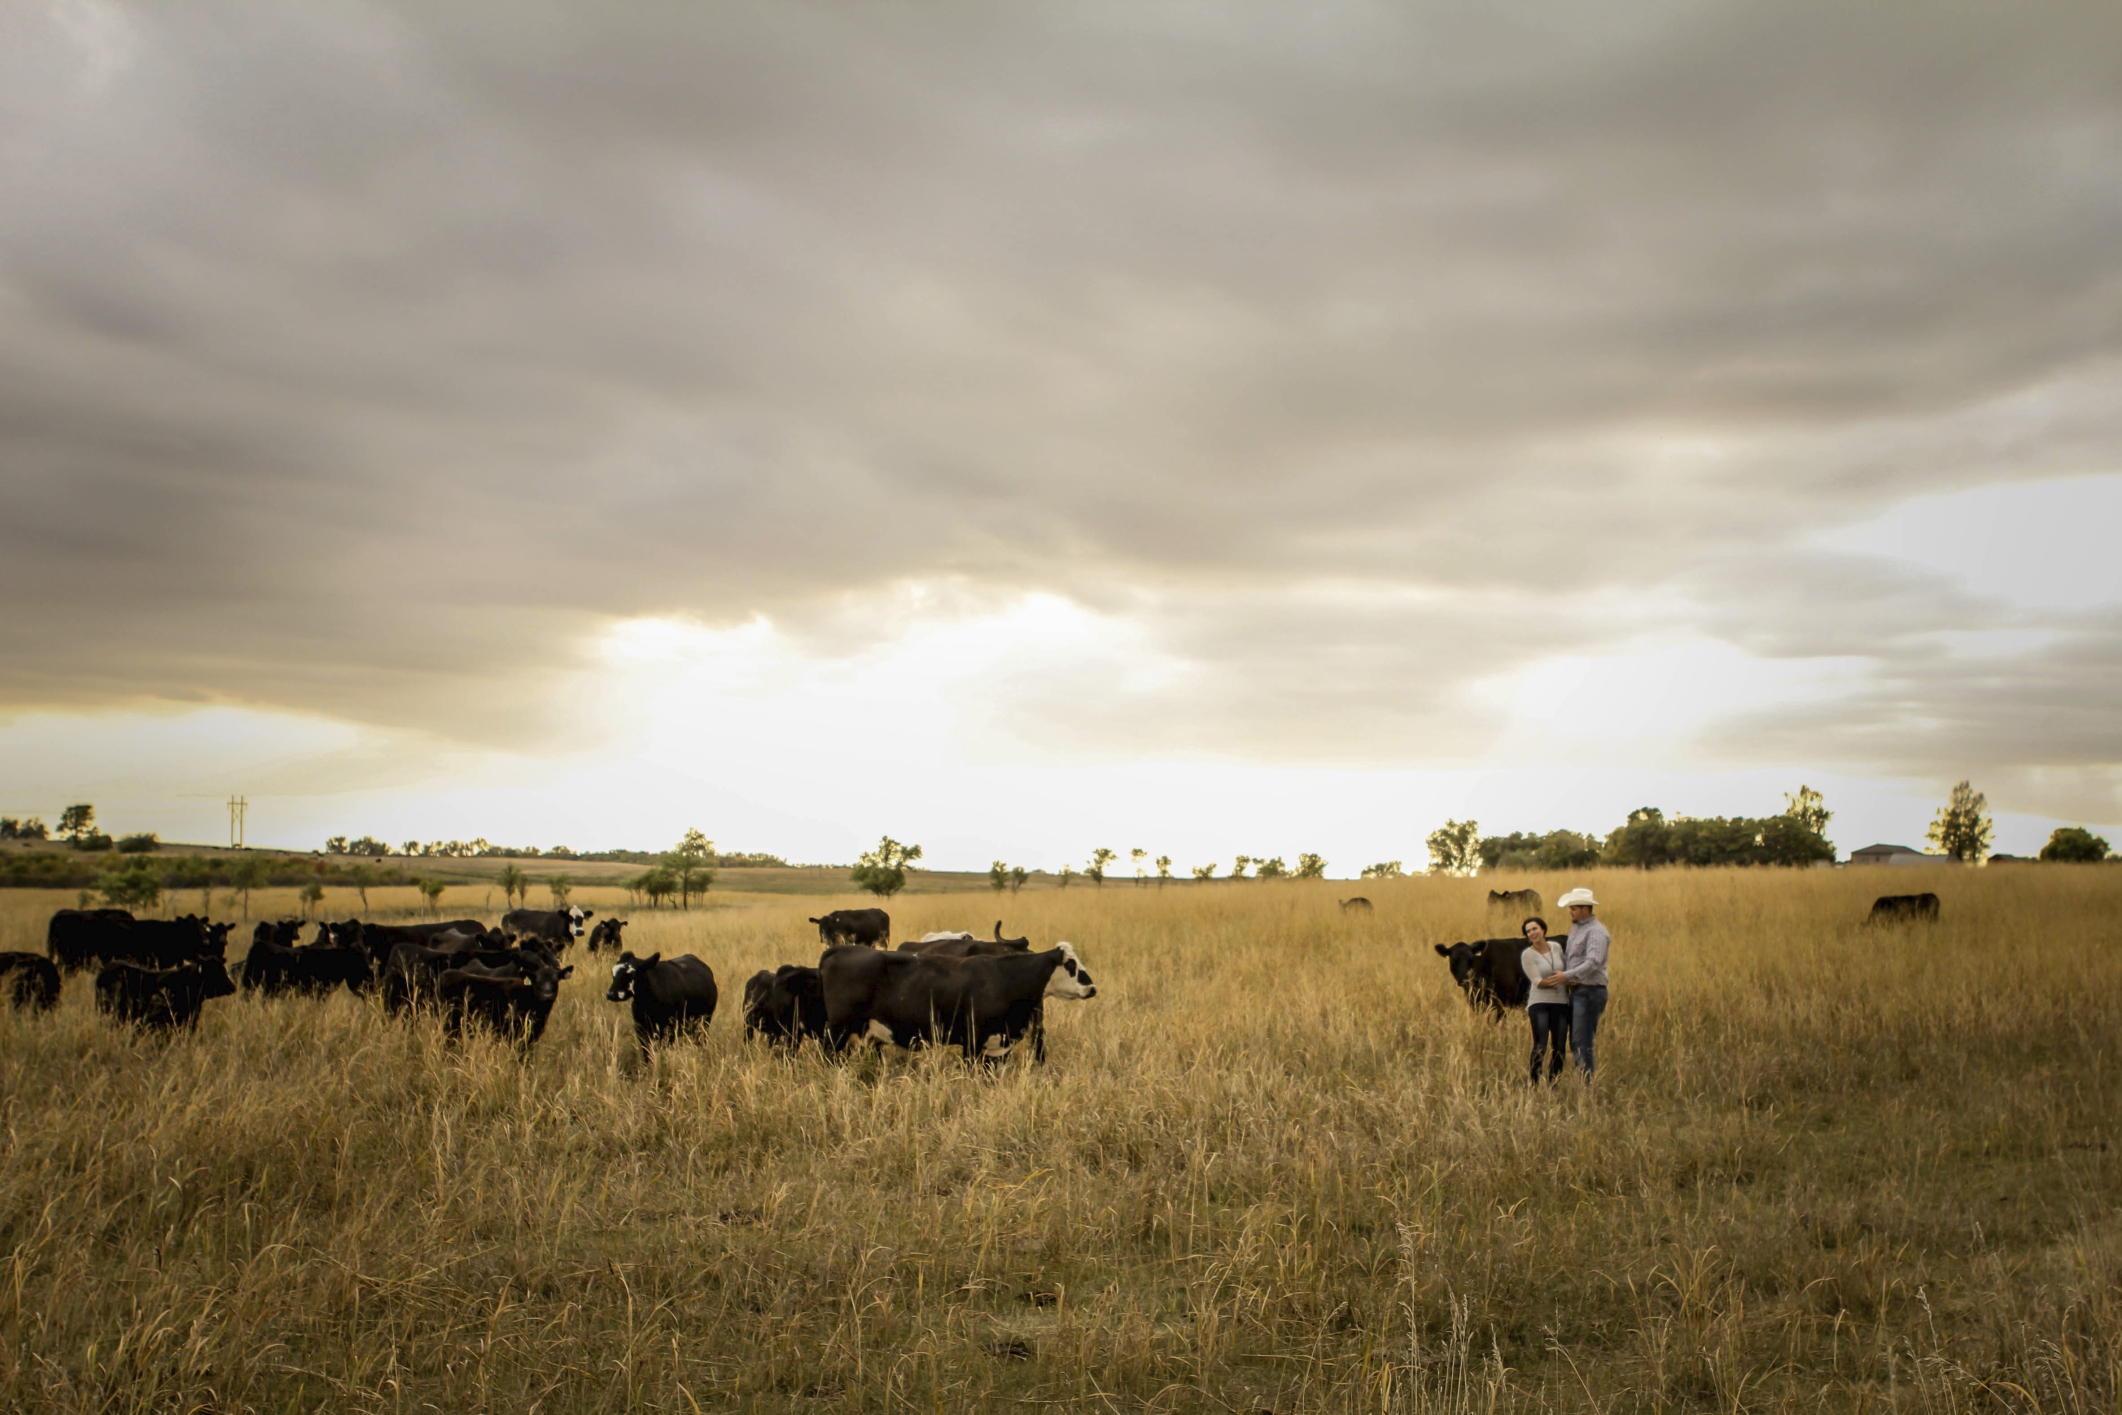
(1548, 1008)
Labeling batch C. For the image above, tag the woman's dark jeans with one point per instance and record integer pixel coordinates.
(1550, 1034)
(1585, 1005)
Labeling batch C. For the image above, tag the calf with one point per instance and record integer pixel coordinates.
(161, 999)
(513, 1002)
(1488, 972)
(31, 979)
(670, 996)
(785, 1006)
(1526, 899)
(1898, 908)
(845, 926)
(606, 935)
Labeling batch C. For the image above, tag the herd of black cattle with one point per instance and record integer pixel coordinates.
(980, 995)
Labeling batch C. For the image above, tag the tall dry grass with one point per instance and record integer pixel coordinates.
(1276, 1165)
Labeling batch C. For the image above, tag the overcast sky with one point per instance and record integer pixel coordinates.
(1028, 428)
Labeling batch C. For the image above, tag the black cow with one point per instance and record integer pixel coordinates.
(983, 1006)
(161, 999)
(864, 926)
(377, 940)
(1358, 905)
(510, 1001)
(31, 979)
(606, 935)
(1897, 908)
(785, 1006)
(671, 996)
(286, 932)
(1488, 972)
(273, 968)
(77, 938)
(558, 927)
(1526, 899)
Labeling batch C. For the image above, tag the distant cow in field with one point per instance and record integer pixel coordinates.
(1488, 972)
(785, 1006)
(558, 927)
(1358, 905)
(607, 935)
(1897, 908)
(870, 926)
(31, 980)
(161, 999)
(1526, 899)
(671, 997)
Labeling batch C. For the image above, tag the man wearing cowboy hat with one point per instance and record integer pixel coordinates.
(1584, 974)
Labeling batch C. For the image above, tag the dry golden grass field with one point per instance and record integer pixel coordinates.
(1275, 1165)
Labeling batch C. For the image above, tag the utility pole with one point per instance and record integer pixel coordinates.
(237, 805)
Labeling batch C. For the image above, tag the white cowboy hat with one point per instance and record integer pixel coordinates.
(1574, 897)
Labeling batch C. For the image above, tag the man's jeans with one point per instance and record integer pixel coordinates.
(1585, 1006)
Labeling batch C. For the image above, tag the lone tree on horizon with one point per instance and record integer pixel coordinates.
(1453, 849)
(1099, 859)
(882, 871)
(1962, 829)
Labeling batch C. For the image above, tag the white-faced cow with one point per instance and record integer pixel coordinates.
(671, 997)
(982, 1006)
(1488, 972)
(864, 926)
(558, 927)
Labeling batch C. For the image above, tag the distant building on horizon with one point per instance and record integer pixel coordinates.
(1895, 855)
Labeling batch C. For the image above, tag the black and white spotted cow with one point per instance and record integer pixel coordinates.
(558, 927)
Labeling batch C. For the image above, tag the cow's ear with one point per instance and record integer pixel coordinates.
(1481, 948)
(650, 961)
(589, 913)
(1443, 952)
(568, 971)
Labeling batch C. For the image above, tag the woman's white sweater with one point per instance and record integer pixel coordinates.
(1538, 965)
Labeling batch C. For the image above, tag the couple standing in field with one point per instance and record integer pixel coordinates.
(1568, 985)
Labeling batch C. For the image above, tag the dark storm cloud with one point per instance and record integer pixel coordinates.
(365, 359)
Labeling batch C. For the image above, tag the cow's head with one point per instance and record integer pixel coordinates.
(1071, 980)
(218, 982)
(1465, 959)
(575, 916)
(545, 981)
(624, 972)
(217, 939)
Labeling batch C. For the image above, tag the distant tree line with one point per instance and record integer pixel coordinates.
(486, 849)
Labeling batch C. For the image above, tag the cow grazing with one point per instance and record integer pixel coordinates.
(1358, 905)
(1526, 899)
(785, 1006)
(31, 980)
(558, 927)
(607, 935)
(671, 997)
(864, 926)
(513, 1002)
(1902, 908)
(1488, 972)
(161, 999)
(983, 1006)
